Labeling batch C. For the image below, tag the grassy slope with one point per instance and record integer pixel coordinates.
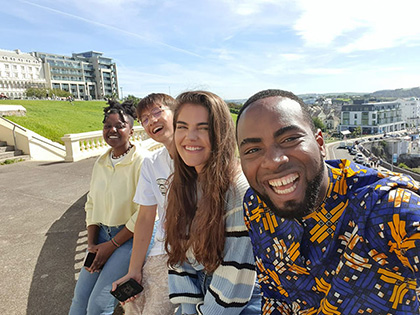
(54, 119)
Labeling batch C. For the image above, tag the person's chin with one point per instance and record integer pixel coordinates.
(283, 207)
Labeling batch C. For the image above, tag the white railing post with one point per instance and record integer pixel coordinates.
(84, 145)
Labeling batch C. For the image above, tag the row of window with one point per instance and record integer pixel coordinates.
(22, 67)
(16, 75)
(19, 59)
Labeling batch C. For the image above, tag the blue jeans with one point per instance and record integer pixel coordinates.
(91, 295)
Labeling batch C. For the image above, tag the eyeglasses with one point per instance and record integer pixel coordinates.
(155, 112)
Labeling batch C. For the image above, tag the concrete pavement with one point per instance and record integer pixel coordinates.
(43, 237)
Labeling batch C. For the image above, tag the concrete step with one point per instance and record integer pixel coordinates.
(5, 155)
(7, 148)
(13, 159)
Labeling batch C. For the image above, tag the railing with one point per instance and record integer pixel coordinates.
(14, 131)
(84, 145)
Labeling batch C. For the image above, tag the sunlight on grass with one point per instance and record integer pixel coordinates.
(54, 119)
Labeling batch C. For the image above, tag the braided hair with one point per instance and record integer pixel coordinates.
(127, 108)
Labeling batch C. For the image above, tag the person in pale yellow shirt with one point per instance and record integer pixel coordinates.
(110, 212)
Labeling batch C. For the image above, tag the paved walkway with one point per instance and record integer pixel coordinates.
(42, 239)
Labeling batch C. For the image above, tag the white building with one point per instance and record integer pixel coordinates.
(87, 75)
(19, 71)
(372, 118)
(410, 110)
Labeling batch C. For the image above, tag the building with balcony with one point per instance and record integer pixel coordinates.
(372, 118)
(410, 111)
(19, 71)
(87, 75)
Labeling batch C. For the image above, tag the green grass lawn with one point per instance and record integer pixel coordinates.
(54, 119)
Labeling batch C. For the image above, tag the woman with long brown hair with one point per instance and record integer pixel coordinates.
(209, 251)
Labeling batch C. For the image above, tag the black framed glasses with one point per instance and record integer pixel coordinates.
(155, 112)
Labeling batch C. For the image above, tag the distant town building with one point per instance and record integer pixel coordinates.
(327, 113)
(410, 110)
(19, 71)
(86, 75)
(372, 118)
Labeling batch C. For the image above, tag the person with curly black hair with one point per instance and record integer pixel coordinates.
(110, 212)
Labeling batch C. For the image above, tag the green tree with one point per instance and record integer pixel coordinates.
(357, 131)
(133, 98)
(318, 123)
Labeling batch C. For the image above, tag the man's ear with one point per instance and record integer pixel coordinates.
(321, 144)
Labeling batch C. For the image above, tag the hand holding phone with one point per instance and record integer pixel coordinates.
(127, 289)
(89, 259)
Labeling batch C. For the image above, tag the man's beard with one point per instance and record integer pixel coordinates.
(298, 210)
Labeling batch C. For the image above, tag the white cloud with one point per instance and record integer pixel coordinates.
(358, 25)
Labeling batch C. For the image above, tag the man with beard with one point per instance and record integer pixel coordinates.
(329, 237)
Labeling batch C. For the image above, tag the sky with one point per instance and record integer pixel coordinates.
(232, 48)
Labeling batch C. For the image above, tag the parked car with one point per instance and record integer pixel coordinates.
(353, 151)
(342, 145)
(359, 158)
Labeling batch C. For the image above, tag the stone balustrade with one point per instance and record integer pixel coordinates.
(87, 144)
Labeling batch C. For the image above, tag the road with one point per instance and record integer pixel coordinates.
(334, 153)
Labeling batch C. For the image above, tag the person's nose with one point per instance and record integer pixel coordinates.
(152, 119)
(274, 157)
(192, 134)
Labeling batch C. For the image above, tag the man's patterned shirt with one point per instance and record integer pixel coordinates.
(358, 253)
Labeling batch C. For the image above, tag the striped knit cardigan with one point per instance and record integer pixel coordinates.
(233, 282)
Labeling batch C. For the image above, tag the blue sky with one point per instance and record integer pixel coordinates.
(232, 48)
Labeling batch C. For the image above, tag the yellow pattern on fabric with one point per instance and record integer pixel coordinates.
(402, 243)
(319, 232)
(327, 308)
(401, 286)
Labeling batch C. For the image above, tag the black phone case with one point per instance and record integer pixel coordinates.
(127, 289)
(89, 259)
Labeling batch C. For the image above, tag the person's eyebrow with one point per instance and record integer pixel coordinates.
(249, 140)
(198, 124)
(283, 130)
(276, 134)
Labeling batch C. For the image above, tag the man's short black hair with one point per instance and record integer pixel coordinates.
(280, 93)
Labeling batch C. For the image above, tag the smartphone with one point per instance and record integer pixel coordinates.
(89, 259)
(127, 290)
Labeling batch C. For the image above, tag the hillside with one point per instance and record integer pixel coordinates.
(398, 93)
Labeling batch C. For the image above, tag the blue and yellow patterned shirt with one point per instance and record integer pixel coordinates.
(358, 253)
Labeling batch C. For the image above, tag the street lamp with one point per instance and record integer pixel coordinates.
(122, 95)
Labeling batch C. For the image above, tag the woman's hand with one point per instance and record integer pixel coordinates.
(134, 275)
(103, 252)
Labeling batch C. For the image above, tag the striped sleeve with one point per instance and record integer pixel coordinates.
(233, 281)
(184, 288)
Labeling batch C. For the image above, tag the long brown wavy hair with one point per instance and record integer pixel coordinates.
(197, 223)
